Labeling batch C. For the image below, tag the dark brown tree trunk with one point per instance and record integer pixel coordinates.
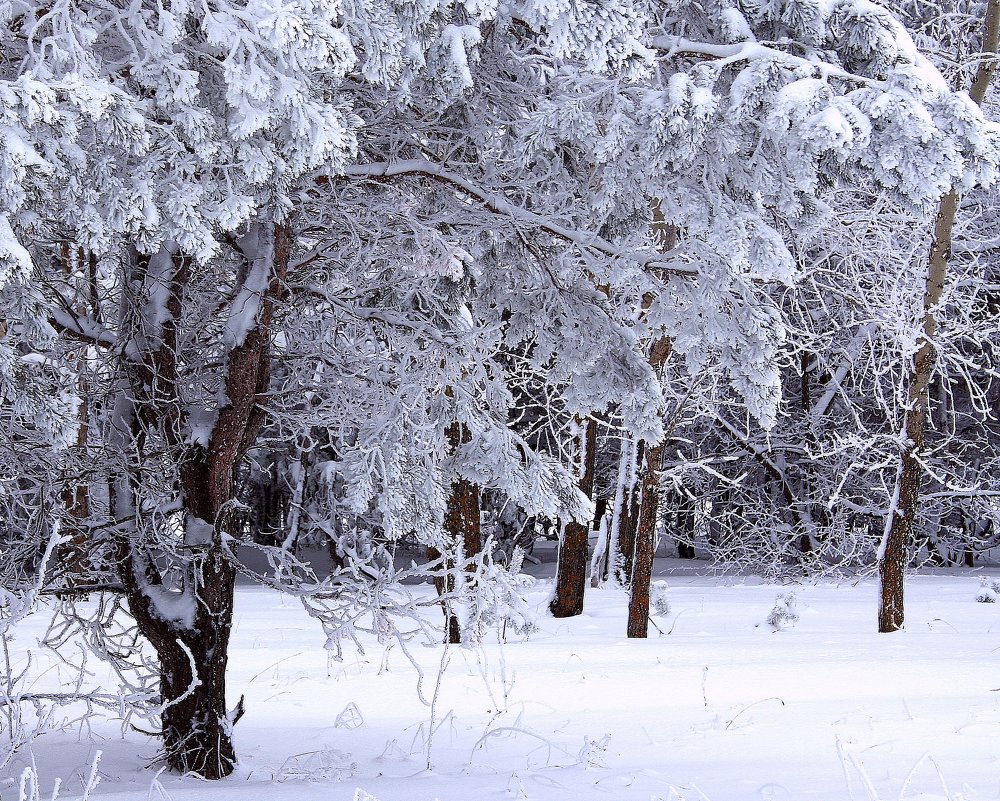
(645, 544)
(73, 554)
(463, 526)
(600, 509)
(196, 725)
(685, 529)
(463, 530)
(646, 505)
(968, 527)
(197, 730)
(892, 559)
(571, 571)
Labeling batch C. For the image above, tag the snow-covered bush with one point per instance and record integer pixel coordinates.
(497, 601)
(989, 590)
(783, 614)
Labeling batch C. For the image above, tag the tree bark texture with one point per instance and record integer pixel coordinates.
(196, 726)
(899, 528)
(193, 653)
(571, 572)
(647, 513)
(463, 530)
(646, 490)
(462, 523)
(645, 544)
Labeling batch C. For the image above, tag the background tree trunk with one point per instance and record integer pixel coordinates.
(463, 526)
(571, 572)
(645, 544)
(685, 527)
(463, 533)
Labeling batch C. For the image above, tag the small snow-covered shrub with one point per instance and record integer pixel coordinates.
(658, 603)
(783, 614)
(497, 601)
(989, 590)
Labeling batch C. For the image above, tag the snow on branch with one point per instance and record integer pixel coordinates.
(753, 51)
(585, 240)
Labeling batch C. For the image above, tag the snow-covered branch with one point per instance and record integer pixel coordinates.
(587, 241)
(726, 54)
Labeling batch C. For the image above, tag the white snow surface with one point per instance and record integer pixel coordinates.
(720, 706)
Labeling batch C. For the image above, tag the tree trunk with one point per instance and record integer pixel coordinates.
(571, 572)
(645, 495)
(73, 555)
(627, 528)
(600, 508)
(645, 544)
(620, 543)
(646, 515)
(463, 533)
(462, 523)
(899, 532)
(685, 528)
(196, 725)
(599, 560)
(193, 646)
(196, 728)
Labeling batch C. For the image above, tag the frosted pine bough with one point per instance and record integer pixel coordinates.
(234, 174)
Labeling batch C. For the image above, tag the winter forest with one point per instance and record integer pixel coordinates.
(444, 400)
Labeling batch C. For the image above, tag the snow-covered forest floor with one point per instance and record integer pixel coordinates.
(719, 706)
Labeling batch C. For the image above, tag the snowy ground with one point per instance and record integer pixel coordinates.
(718, 707)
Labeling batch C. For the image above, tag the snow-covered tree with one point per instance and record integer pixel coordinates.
(348, 217)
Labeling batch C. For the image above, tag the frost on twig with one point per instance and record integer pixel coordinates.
(326, 764)
(594, 752)
(350, 717)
